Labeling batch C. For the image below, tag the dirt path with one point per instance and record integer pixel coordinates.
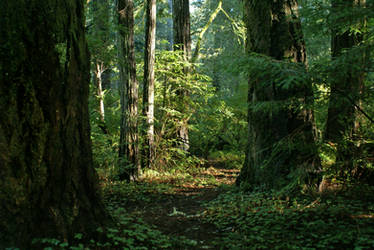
(180, 213)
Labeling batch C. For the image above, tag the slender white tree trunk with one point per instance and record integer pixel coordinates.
(100, 94)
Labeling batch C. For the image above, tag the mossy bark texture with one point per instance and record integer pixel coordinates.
(148, 152)
(48, 186)
(182, 40)
(129, 139)
(281, 142)
(346, 85)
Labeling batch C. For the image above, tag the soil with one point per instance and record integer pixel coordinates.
(180, 213)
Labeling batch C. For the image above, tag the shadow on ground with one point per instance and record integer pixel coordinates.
(179, 211)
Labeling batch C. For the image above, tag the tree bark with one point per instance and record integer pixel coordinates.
(99, 89)
(274, 30)
(346, 87)
(128, 146)
(149, 83)
(48, 186)
(182, 41)
(181, 27)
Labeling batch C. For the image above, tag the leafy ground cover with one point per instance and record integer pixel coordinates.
(200, 208)
(174, 203)
(265, 221)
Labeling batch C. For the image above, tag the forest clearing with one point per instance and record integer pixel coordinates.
(186, 124)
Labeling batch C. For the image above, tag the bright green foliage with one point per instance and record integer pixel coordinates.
(172, 109)
(216, 122)
(220, 126)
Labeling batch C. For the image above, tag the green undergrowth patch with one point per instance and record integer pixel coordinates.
(194, 177)
(119, 193)
(129, 230)
(128, 233)
(161, 180)
(174, 176)
(268, 221)
(191, 177)
(227, 159)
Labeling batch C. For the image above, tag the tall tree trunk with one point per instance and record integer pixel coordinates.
(274, 30)
(128, 146)
(182, 41)
(181, 27)
(100, 31)
(149, 83)
(98, 80)
(346, 85)
(99, 89)
(48, 186)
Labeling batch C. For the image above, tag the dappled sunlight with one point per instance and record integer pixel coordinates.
(192, 178)
(174, 201)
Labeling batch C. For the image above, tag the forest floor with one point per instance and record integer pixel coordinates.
(176, 204)
(201, 208)
(180, 213)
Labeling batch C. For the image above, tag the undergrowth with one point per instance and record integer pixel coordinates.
(266, 221)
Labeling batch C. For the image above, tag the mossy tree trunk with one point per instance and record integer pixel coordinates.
(48, 186)
(346, 86)
(149, 84)
(281, 143)
(182, 41)
(181, 27)
(128, 146)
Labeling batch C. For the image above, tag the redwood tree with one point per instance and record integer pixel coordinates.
(149, 83)
(182, 41)
(48, 186)
(280, 138)
(128, 146)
